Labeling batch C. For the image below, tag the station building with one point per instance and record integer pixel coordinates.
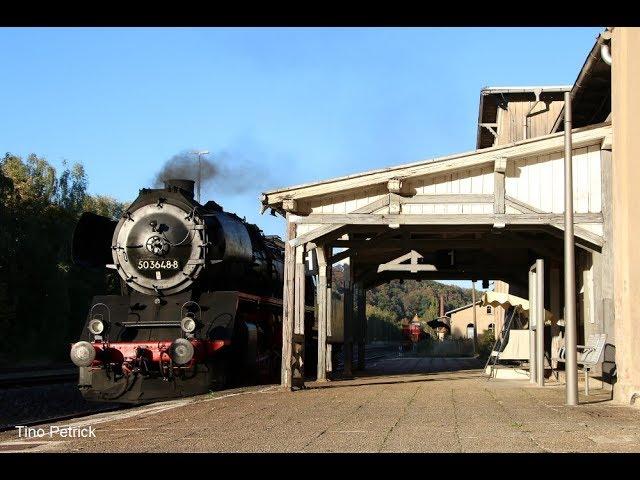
(463, 323)
(495, 212)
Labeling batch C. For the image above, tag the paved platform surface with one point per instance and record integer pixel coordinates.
(400, 405)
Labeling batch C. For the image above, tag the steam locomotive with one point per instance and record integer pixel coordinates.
(200, 305)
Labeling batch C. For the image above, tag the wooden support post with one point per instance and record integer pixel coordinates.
(499, 185)
(361, 323)
(348, 322)
(297, 372)
(475, 323)
(286, 379)
(606, 275)
(323, 312)
(539, 309)
(555, 288)
(299, 323)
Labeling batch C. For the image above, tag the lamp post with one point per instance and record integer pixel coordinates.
(200, 153)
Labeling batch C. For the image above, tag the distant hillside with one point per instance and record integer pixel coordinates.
(405, 299)
(408, 298)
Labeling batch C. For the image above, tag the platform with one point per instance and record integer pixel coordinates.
(399, 405)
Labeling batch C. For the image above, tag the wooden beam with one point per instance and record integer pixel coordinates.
(356, 246)
(327, 229)
(371, 280)
(500, 165)
(577, 230)
(592, 134)
(490, 127)
(394, 185)
(290, 205)
(447, 198)
(440, 219)
(340, 256)
(385, 267)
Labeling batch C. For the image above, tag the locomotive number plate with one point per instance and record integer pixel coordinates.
(158, 265)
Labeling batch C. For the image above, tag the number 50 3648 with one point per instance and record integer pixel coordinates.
(158, 264)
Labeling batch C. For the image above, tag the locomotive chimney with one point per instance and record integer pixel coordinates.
(187, 186)
(441, 305)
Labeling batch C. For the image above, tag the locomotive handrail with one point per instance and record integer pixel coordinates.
(105, 306)
(181, 241)
(147, 324)
(189, 302)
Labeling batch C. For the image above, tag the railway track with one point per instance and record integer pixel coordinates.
(23, 390)
(30, 378)
(371, 354)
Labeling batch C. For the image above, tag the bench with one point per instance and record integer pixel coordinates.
(589, 355)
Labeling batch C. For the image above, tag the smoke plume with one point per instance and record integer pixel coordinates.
(221, 172)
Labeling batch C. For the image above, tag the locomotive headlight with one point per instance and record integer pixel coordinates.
(188, 325)
(82, 354)
(181, 351)
(96, 327)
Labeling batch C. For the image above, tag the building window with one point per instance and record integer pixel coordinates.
(470, 330)
(489, 310)
(492, 327)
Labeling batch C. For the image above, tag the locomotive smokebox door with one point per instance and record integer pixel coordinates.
(159, 248)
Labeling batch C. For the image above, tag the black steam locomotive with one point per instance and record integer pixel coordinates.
(200, 305)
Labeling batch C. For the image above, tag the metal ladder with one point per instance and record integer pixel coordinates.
(503, 334)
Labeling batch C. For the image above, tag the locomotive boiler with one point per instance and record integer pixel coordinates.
(200, 305)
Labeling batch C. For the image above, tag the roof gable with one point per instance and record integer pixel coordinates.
(548, 143)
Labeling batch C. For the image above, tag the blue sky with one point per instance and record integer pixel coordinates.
(295, 104)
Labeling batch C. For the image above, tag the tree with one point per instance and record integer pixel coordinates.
(43, 296)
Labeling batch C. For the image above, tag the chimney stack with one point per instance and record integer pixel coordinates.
(441, 304)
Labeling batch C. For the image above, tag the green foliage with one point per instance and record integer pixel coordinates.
(103, 205)
(410, 297)
(43, 296)
(382, 325)
(486, 340)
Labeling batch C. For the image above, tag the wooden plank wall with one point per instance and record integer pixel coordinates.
(536, 180)
(539, 181)
(476, 180)
(510, 126)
